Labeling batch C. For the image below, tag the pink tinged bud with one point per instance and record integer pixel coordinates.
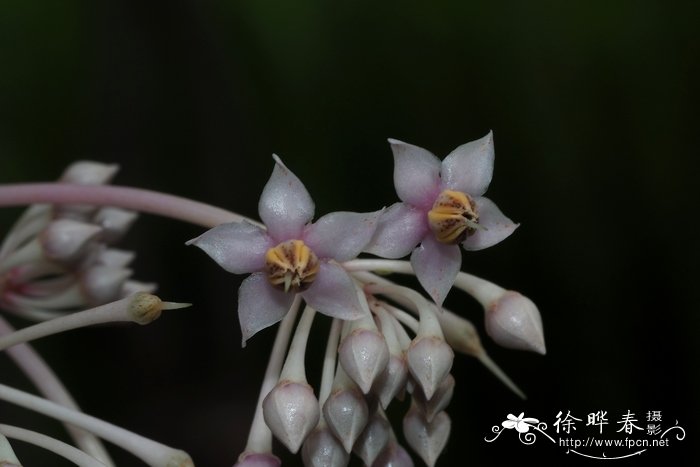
(255, 459)
(392, 380)
(322, 449)
(115, 222)
(513, 321)
(89, 173)
(429, 361)
(66, 240)
(440, 400)
(102, 284)
(393, 455)
(428, 439)
(346, 414)
(373, 439)
(291, 411)
(364, 355)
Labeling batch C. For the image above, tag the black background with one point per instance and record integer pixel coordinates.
(594, 110)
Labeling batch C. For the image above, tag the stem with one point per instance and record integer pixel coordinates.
(64, 450)
(329, 361)
(294, 368)
(151, 452)
(48, 384)
(260, 436)
(136, 199)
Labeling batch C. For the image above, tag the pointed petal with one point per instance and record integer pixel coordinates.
(469, 167)
(260, 305)
(416, 174)
(509, 424)
(341, 235)
(238, 247)
(496, 225)
(436, 266)
(400, 228)
(333, 293)
(285, 206)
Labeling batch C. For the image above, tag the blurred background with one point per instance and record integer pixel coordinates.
(594, 108)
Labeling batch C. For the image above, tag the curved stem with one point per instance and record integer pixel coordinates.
(64, 450)
(135, 199)
(329, 361)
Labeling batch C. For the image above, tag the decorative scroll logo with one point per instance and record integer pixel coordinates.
(630, 439)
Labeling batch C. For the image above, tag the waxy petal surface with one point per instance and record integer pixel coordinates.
(341, 235)
(436, 265)
(260, 305)
(469, 168)
(285, 206)
(333, 293)
(238, 247)
(399, 229)
(496, 225)
(416, 174)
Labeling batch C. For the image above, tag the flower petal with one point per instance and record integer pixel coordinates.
(285, 206)
(400, 228)
(469, 167)
(522, 427)
(496, 226)
(416, 174)
(509, 424)
(341, 235)
(260, 305)
(436, 265)
(333, 293)
(238, 247)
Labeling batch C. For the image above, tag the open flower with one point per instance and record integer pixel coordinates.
(442, 206)
(522, 425)
(291, 256)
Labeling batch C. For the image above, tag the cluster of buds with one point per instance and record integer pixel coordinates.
(58, 259)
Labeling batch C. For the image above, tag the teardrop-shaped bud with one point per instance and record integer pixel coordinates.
(429, 361)
(256, 459)
(291, 411)
(66, 240)
(391, 381)
(373, 439)
(440, 400)
(364, 355)
(513, 321)
(428, 439)
(114, 257)
(89, 173)
(393, 455)
(322, 449)
(346, 413)
(115, 222)
(102, 284)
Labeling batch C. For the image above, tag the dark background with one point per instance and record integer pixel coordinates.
(594, 110)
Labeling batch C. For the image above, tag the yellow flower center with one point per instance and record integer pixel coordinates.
(453, 217)
(291, 266)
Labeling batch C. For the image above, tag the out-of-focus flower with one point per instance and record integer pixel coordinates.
(441, 206)
(291, 255)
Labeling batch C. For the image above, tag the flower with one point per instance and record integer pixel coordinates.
(522, 425)
(291, 255)
(441, 206)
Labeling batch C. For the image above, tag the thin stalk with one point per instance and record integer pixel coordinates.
(329, 361)
(294, 368)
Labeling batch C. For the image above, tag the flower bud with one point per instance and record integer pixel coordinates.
(373, 439)
(89, 173)
(291, 411)
(114, 257)
(66, 240)
(322, 449)
(115, 222)
(428, 439)
(429, 361)
(364, 355)
(256, 459)
(346, 413)
(103, 284)
(391, 381)
(513, 321)
(440, 400)
(393, 455)
(7, 455)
